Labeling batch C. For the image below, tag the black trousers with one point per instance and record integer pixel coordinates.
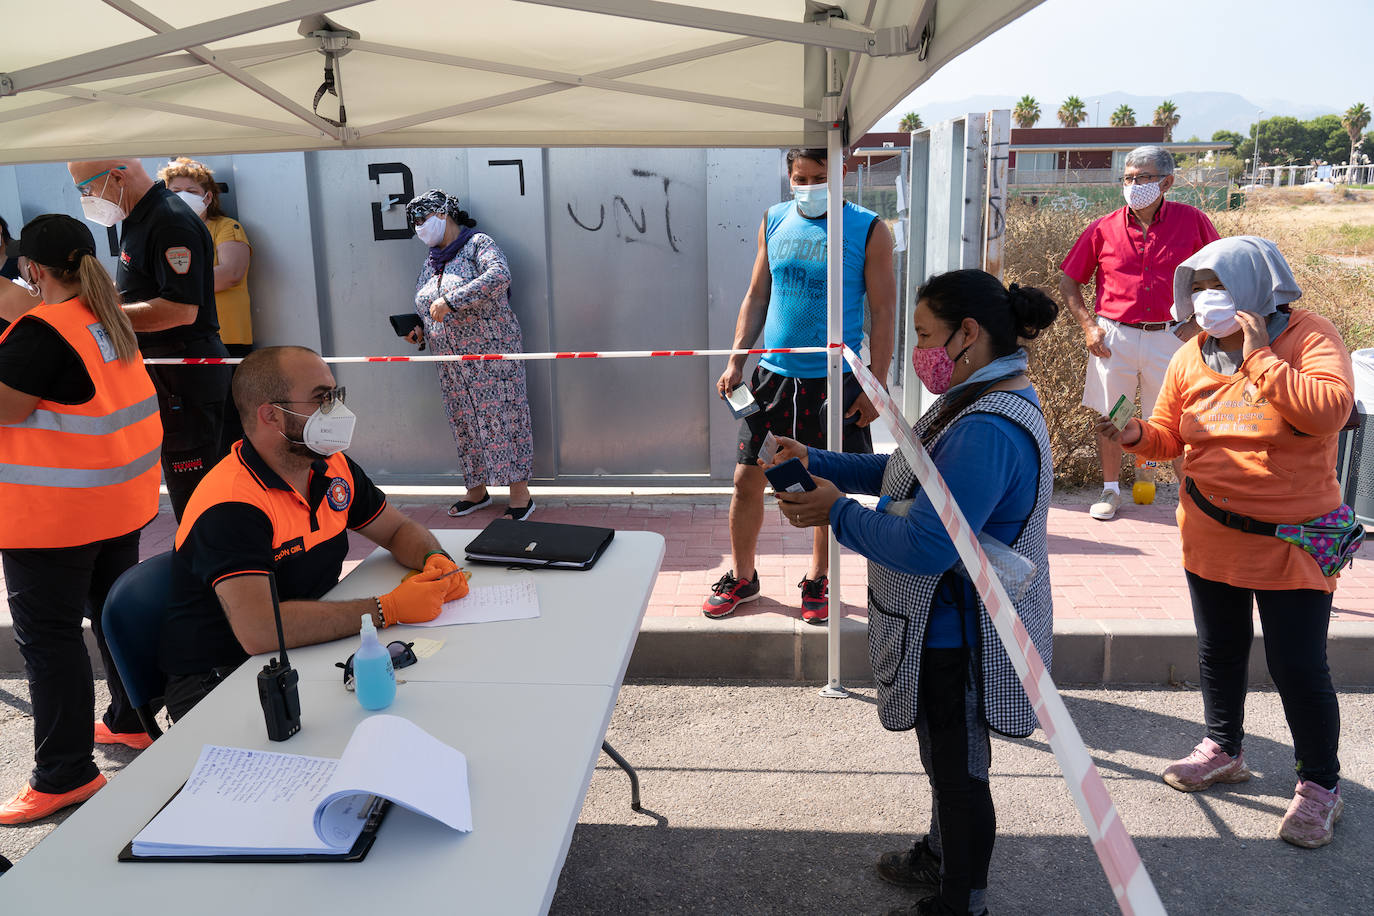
(50, 591)
(956, 752)
(190, 401)
(1295, 624)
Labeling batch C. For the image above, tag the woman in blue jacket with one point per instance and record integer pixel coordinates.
(939, 665)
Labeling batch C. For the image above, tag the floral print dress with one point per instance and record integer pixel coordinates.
(485, 401)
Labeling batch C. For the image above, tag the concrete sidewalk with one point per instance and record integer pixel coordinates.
(1122, 612)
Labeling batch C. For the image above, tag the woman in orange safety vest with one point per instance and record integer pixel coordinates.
(80, 440)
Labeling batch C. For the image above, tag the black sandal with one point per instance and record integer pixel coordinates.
(463, 506)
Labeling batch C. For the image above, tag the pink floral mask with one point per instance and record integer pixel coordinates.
(934, 367)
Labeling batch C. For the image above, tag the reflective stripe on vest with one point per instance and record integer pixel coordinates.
(73, 474)
(89, 426)
(29, 475)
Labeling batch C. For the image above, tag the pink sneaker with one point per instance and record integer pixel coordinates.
(1312, 815)
(1207, 765)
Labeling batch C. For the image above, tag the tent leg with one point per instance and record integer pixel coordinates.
(834, 287)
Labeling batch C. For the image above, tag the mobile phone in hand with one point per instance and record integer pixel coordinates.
(790, 477)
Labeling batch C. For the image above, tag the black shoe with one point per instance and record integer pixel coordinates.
(917, 868)
(929, 906)
(520, 513)
(463, 506)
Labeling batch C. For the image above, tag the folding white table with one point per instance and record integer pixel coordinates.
(529, 716)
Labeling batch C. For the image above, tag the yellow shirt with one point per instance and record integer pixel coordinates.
(235, 322)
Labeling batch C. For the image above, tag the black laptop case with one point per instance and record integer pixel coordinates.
(511, 543)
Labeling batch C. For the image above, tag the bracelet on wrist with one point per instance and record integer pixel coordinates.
(381, 614)
(441, 553)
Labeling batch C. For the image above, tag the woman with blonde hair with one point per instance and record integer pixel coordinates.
(80, 440)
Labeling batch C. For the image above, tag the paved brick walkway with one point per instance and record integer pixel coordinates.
(1126, 568)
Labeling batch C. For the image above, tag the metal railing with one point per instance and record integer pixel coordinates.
(1208, 175)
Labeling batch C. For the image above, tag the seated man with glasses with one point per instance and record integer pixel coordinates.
(282, 502)
(1132, 335)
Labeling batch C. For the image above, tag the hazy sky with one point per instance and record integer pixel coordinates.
(1315, 51)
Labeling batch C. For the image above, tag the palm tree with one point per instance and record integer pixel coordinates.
(1072, 113)
(1123, 117)
(911, 121)
(1356, 120)
(1026, 112)
(1166, 116)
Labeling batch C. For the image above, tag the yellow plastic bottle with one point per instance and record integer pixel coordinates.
(1143, 491)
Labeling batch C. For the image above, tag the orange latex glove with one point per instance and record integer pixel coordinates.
(456, 577)
(416, 600)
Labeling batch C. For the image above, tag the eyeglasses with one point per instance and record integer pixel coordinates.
(87, 192)
(402, 656)
(1140, 179)
(325, 401)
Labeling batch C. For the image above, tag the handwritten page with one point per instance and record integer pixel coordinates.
(245, 802)
(257, 801)
(516, 600)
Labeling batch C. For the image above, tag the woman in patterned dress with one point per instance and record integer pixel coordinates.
(463, 299)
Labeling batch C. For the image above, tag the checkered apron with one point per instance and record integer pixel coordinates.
(899, 604)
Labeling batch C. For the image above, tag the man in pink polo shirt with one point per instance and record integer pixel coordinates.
(1132, 336)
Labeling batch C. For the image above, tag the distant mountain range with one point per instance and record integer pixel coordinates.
(1200, 113)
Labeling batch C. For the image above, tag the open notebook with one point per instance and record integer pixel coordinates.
(266, 805)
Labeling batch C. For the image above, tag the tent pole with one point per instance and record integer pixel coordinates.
(834, 301)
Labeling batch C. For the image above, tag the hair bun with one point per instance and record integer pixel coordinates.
(1034, 310)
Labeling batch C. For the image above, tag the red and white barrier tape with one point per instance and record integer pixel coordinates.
(1130, 882)
(489, 357)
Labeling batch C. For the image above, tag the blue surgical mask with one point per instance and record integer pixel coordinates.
(812, 199)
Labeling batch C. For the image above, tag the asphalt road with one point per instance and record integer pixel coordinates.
(770, 799)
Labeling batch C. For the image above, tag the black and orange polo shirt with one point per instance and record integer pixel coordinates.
(244, 519)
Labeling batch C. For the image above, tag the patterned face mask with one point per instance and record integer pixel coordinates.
(1140, 196)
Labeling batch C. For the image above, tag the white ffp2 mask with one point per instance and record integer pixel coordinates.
(431, 231)
(1215, 311)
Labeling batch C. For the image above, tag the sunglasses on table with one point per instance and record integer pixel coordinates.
(402, 656)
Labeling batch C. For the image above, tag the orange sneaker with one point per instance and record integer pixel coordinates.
(32, 805)
(136, 740)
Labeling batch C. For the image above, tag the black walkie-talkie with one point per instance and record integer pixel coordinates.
(281, 700)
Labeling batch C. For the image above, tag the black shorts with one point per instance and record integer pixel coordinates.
(795, 407)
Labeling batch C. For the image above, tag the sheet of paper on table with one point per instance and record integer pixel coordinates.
(515, 600)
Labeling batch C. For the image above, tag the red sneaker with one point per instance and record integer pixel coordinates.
(729, 593)
(136, 740)
(32, 805)
(815, 599)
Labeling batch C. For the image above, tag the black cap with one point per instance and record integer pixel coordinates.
(55, 240)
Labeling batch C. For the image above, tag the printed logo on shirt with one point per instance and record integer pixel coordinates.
(102, 340)
(186, 467)
(124, 257)
(295, 545)
(339, 494)
(179, 258)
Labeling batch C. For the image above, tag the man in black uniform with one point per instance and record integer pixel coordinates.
(166, 279)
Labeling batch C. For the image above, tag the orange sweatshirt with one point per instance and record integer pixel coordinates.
(1260, 443)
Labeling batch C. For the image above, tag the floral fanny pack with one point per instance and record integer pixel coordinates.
(1332, 540)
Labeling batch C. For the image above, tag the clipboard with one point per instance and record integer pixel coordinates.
(375, 814)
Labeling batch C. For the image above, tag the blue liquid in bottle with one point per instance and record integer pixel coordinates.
(374, 680)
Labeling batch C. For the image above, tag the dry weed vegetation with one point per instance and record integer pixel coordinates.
(1337, 280)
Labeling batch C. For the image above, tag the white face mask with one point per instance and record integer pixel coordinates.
(195, 201)
(812, 199)
(101, 211)
(1215, 312)
(431, 231)
(326, 433)
(1140, 196)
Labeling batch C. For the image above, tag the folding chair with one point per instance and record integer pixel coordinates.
(132, 621)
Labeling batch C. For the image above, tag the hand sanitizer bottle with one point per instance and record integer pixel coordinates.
(374, 680)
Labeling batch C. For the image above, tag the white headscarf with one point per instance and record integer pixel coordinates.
(1252, 270)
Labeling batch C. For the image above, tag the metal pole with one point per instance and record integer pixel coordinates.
(834, 301)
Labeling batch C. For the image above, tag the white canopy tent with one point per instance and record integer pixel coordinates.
(86, 79)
